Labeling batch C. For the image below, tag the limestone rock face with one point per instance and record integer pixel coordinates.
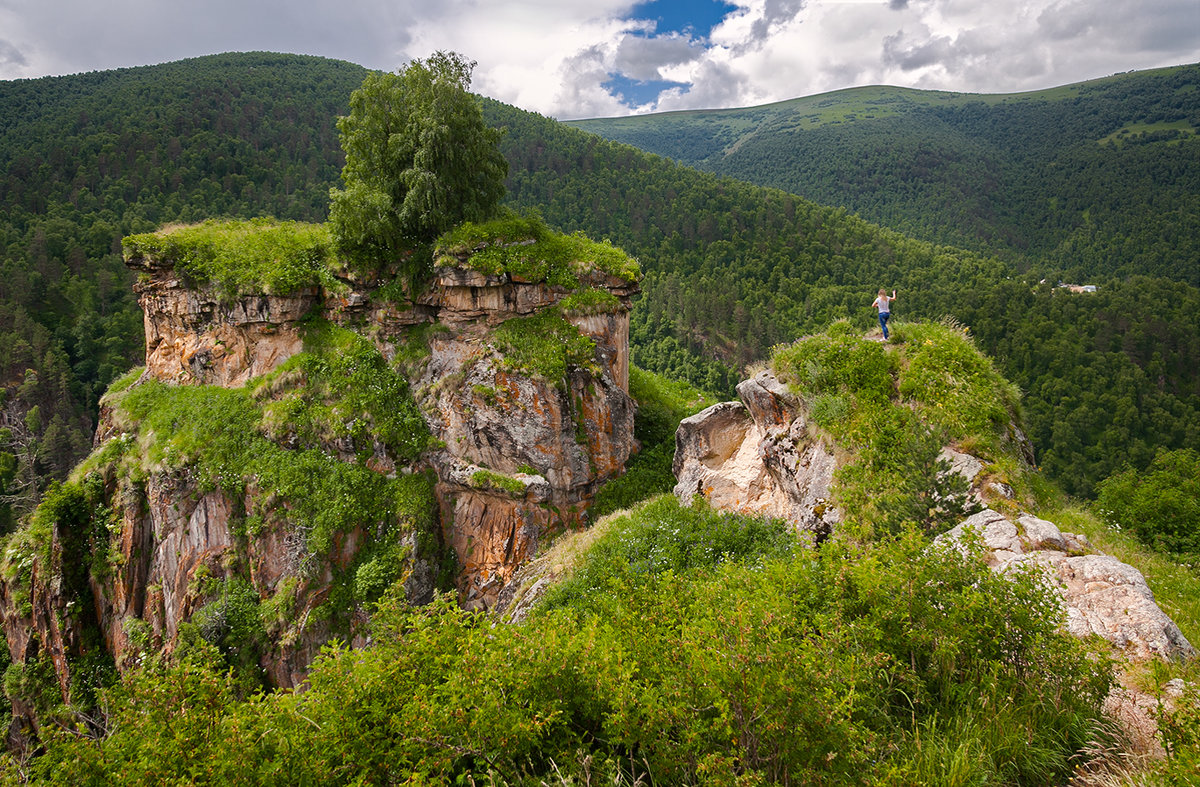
(756, 456)
(195, 335)
(176, 540)
(519, 457)
(1100, 594)
(570, 435)
(574, 434)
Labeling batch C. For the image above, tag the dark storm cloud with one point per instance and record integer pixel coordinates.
(899, 51)
(1065, 21)
(1161, 26)
(897, 5)
(777, 12)
(124, 32)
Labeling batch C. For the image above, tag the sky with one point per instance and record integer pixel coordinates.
(573, 59)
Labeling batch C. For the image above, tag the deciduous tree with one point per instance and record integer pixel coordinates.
(419, 161)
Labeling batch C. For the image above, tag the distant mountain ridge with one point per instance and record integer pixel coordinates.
(1093, 179)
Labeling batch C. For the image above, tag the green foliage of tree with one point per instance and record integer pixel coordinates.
(1160, 504)
(90, 158)
(731, 269)
(419, 161)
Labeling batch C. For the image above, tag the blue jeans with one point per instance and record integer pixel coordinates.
(883, 319)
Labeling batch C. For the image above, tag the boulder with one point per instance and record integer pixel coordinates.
(757, 456)
(1100, 595)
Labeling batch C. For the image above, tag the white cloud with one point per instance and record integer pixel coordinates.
(553, 56)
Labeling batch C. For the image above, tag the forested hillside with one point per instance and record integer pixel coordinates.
(732, 269)
(88, 159)
(1089, 180)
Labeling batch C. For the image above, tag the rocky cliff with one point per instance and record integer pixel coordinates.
(759, 455)
(766, 454)
(283, 458)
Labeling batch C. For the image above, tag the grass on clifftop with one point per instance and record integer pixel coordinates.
(892, 408)
(242, 256)
(525, 248)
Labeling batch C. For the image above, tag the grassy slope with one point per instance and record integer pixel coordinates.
(874, 102)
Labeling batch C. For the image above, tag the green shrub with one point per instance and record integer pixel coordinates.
(340, 387)
(661, 405)
(1180, 733)
(491, 480)
(545, 345)
(663, 535)
(34, 683)
(373, 577)
(719, 656)
(893, 409)
(1160, 505)
(838, 362)
(959, 389)
(647, 474)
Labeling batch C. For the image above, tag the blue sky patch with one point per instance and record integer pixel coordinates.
(698, 18)
(636, 92)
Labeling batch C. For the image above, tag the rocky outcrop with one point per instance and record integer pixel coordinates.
(548, 444)
(195, 334)
(1100, 594)
(758, 456)
(519, 457)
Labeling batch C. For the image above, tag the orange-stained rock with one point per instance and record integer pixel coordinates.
(196, 335)
(550, 444)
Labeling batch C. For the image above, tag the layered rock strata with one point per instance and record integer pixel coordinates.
(519, 456)
(198, 335)
(557, 440)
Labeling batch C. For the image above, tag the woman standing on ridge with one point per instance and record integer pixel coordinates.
(884, 304)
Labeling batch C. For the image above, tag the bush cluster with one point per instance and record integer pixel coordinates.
(525, 248)
(752, 664)
(1161, 504)
(893, 409)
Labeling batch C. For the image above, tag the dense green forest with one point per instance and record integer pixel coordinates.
(685, 645)
(86, 160)
(732, 269)
(1089, 180)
